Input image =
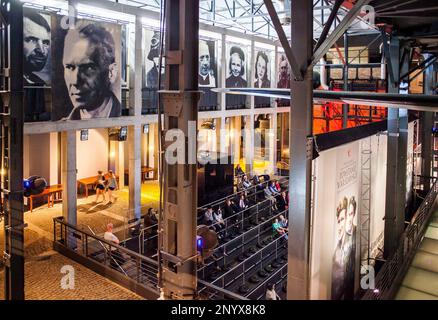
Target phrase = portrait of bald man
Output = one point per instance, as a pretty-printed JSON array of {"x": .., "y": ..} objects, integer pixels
[
  {"x": 206, "y": 77},
  {"x": 90, "y": 66},
  {"x": 36, "y": 48}
]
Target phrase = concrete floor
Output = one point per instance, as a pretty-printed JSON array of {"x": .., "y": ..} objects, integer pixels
[
  {"x": 421, "y": 280},
  {"x": 41, "y": 284}
]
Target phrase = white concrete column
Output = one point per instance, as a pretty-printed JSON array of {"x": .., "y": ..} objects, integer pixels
[
  {"x": 134, "y": 144},
  {"x": 223, "y": 71},
  {"x": 135, "y": 71},
  {"x": 68, "y": 176},
  {"x": 273, "y": 144},
  {"x": 249, "y": 149},
  {"x": 235, "y": 137},
  {"x": 155, "y": 134},
  {"x": 120, "y": 163},
  {"x": 251, "y": 76}
]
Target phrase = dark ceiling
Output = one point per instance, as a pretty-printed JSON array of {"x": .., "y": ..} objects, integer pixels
[{"x": 414, "y": 20}]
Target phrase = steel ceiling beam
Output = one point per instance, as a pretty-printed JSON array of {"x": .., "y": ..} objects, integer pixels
[
  {"x": 339, "y": 31},
  {"x": 297, "y": 72},
  {"x": 329, "y": 23}
]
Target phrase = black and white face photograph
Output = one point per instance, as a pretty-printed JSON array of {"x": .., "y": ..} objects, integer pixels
[
  {"x": 237, "y": 59},
  {"x": 151, "y": 62},
  {"x": 207, "y": 74},
  {"x": 236, "y": 67},
  {"x": 207, "y": 64},
  {"x": 262, "y": 76},
  {"x": 86, "y": 70},
  {"x": 262, "y": 68},
  {"x": 151, "y": 58},
  {"x": 36, "y": 48},
  {"x": 283, "y": 72}
]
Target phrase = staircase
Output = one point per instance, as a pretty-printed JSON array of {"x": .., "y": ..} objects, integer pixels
[{"x": 421, "y": 280}]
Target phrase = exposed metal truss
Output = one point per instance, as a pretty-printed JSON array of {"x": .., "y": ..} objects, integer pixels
[
  {"x": 365, "y": 206},
  {"x": 247, "y": 16}
]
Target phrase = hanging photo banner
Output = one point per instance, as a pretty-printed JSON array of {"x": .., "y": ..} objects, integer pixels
[
  {"x": 86, "y": 70},
  {"x": 283, "y": 77},
  {"x": 151, "y": 63},
  {"x": 262, "y": 76},
  {"x": 345, "y": 215},
  {"x": 237, "y": 61},
  {"x": 36, "y": 48},
  {"x": 207, "y": 74}
]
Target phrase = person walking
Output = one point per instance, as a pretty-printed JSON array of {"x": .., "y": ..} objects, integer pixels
[
  {"x": 100, "y": 186},
  {"x": 112, "y": 186}
]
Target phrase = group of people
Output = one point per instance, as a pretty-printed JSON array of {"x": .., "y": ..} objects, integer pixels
[
  {"x": 104, "y": 185},
  {"x": 216, "y": 218}
]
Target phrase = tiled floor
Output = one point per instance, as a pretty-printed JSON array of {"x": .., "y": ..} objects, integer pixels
[
  {"x": 39, "y": 236},
  {"x": 421, "y": 281}
]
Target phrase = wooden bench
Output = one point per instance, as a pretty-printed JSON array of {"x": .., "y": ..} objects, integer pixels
[
  {"x": 91, "y": 181},
  {"x": 144, "y": 172},
  {"x": 51, "y": 192}
]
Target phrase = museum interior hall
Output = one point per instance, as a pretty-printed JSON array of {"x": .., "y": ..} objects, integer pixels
[{"x": 234, "y": 150}]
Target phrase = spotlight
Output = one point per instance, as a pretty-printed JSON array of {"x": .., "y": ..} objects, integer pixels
[
  {"x": 199, "y": 243},
  {"x": 34, "y": 185}
]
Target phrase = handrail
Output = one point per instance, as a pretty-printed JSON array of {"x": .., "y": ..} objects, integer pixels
[
  {"x": 219, "y": 289},
  {"x": 218, "y": 201},
  {"x": 106, "y": 249},
  {"x": 241, "y": 213},
  {"x": 395, "y": 268},
  {"x": 242, "y": 235},
  {"x": 257, "y": 252},
  {"x": 264, "y": 283},
  {"x": 123, "y": 249}
]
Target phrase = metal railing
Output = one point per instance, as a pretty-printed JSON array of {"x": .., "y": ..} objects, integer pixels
[
  {"x": 250, "y": 193},
  {"x": 244, "y": 218},
  {"x": 129, "y": 264},
  {"x": 389, "y": 278},
  {"x": 208, "y": 291}
]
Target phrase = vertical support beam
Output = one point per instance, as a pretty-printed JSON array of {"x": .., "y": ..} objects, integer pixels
[
  {"x": 249, "y": 143},
  {"x": 396, "y": 159},
  {"x": 154, "y": 130},
  {"x": 235, "y": 139},
  {"x": 120, "y": 163},
  {"x": 345, "y": 106},
  {"x": 135, "y": 102},
  {"x": 13, "y": 157},
  {"x": 272, "y": 149},
  {"x": 223, "y": 76},
  {"x": 300, "y": 153},
  {"x": 134, "y": 150},
  {"x": 180, "y": 101},
  {"x": 134, "y": 132},
  {"x": 69, "y": 176},
  {"x": 427, "y": 122}
]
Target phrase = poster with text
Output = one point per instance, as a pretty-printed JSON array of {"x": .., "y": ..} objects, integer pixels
[
  {"x": 236, "y": 76},
  {"x": 207, "y": 74},
  {"x": 345, "y": 215},
  {"x": 86, "y": 70}
]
